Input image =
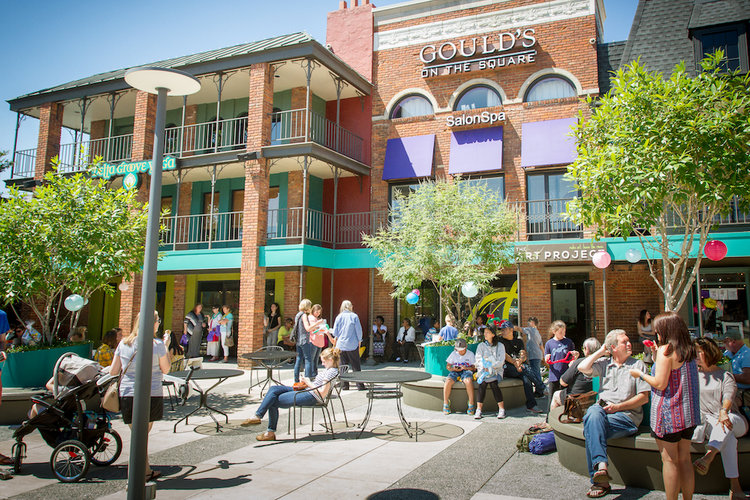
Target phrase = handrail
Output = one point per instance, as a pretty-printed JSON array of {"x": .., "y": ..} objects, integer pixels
[
  {"x": 220, "y": 227},
  {"x": 24, "y": 164},
  {"x": 76, "y": 156},
  {"x": 208, "y": 137}
]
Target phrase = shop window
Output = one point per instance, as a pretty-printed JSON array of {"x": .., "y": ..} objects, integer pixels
[
  {"x": 480, "y": 96},
  {"x": 732, "y": 40},
  {"x": 551, "y": 87},
  {"x": 412, "y": 105}
]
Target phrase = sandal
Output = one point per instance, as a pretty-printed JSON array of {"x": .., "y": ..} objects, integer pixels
[
  {"x": 447, "y": 408},
  {"x": 601, "y": 477},
  {"x": 471, "y": 409},
  {"x": 598, "y": 491},
  {"x": 700, "y": 466},
  {"x": 5, "y": 460}
]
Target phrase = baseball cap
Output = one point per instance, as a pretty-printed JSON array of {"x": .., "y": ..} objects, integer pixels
[
  {"x": 460, "y": 344},
  {"x": 506, "y": 324}
]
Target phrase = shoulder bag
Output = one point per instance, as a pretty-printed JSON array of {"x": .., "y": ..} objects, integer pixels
[
  {"x": 576, "y": 406},
  {"x": 111, "y": 398}
]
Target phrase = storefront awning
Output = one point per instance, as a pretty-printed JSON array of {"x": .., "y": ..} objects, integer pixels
[
  {"x": 548, "y": 143},
  {"x": 476, "y": 150},
  {"x": 409, "y": 157}
]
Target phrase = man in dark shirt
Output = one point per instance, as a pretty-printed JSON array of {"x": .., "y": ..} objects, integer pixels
[{"x": 515, "y": 357}]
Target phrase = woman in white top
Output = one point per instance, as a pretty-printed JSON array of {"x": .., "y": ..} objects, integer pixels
[
  {"x": 489, "y": 360},
  {"x": 124, "y": 362},
  {"x": 405, "y": 340},
  {"x": 721, "y": 421}
]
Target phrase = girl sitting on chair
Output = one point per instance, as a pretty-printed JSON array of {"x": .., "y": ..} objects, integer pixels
[{"x": 282, "y": 396}]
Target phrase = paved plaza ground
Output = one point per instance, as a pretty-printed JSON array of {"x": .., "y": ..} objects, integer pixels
[{"x": 456, "y": 458}]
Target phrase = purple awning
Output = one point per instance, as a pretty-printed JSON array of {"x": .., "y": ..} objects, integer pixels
[
  {"x": 548, "y": 143},
  {"x": 476, "y": 150},
  {"x": 409, "y": 157}
]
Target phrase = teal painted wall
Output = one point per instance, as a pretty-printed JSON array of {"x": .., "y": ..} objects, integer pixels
[
  {"x": 170, "y": 190},
  {"x": 231, "y": 108},
  {"x": 224, "y": 188},
  {"x": 281, "y": 181}
]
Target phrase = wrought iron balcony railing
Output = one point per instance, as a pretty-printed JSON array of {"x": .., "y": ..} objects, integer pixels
[{"x": 76, "y": 156}]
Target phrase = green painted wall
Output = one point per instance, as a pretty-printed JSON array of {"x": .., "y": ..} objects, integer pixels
[
  {"x": 283, "y": 100},
  {"x": 223, "y": 192},
  {"x": 314, "y": 284},
  {"x": 231, "y": 108},
  {"x": 281, "y": 181}
]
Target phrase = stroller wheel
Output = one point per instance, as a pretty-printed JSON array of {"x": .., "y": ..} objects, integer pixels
[
  {"x": 70, "y": 461},
  {"x": 19, "y": 453},
  {"x": 107, "y": 449}
]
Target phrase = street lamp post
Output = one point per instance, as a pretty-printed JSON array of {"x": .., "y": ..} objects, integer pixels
[{"x": 162, "y": 82}]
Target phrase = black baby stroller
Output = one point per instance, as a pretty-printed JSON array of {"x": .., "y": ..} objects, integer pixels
[{"x": 78, "y": 435}]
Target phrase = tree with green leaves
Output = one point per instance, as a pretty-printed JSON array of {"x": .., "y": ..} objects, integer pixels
[
  {"x": 446, "y": 232},
  {"x": 661, "y": 159},
  {"x": 4, "y": 163},
  {"x": 73, "y": 235}
]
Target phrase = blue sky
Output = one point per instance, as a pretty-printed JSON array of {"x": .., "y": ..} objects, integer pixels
[{"x": 71, "y": 40}]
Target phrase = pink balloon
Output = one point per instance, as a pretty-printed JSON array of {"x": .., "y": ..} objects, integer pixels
[
  {"x": 415, "y": 292},
  {"x": 601, "y": 259},
  {"x": 715, "y": 250}
]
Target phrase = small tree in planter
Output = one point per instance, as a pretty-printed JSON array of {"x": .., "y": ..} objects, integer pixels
[
  {"x": 447, "y": 232},
  {"x": 665, "y": 156},
  {"x": 73, "y": 235}
]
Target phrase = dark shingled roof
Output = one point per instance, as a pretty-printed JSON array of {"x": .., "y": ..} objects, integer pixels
[
  {"x": 715, "y": 12},
  {"x": 660, "y": 34},
  {"x": 608, "y": 55}
]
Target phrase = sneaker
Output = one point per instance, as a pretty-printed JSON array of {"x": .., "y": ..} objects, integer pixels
[
  {"x": 501, "y": 413},
  {"x": 534, "y": 410},
  {"x": 478, "y": 414},
  {"x": 471, "y": 410},
  {"x": 398, "y": 359},
  {"x": 250, "y": 421},
  {"x": 447, "y": 408},
  {"x": 406, "y": 361}
]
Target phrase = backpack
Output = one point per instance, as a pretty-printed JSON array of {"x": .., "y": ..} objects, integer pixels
[
  {"x": 542, "y": 443},
  {"x": 293, "y": 336},
  {"x": 528, "y": 435}
]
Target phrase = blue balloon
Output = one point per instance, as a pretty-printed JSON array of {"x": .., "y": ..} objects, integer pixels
[{"x": 412, "y": 298}]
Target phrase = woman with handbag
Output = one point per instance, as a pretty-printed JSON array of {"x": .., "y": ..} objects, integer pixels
[
  {"x": 227, "y": 334},
  {"x": 122, "y": 364},
  {"x": 317, "y": 335},
  {"x": 194, "y": 325},
  {"x": 282, "y": 396},
  {"x": 573, "y": 381},
  {"x": 214, "y": 334}
]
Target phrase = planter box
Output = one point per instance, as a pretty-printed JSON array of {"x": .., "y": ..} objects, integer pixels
[
  {"x": 435, "y": 356},
  {"x": 34, "y": 368}
]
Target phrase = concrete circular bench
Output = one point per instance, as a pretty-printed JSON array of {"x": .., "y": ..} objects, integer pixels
[
  {"x": 635, "y": 460},
  {"x": 428, "y": 395},
  {"x": 16, "y": 404}
]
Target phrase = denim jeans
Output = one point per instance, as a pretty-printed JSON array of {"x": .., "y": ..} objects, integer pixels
[
  {"x": 528, "y": 387},
  {"x": 281, "y": 396},
  {"x": 305, "y": 354},
  {"x": 535, "y": 374},
  {"x": 598, "y": 427}
]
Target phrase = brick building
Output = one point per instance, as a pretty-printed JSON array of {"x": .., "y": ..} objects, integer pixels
[{"x": 292, "y": 149}]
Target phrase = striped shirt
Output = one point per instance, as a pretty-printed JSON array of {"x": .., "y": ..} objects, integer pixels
[
  {"x": 323, "y": 377},
  {"x": 677, "y": 407}
]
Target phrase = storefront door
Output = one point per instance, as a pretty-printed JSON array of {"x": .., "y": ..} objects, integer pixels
[{"x": 573, "y": 303}]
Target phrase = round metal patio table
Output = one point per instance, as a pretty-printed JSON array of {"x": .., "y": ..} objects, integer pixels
[
  {"x": 220, "y": 375},
  {"x": 270, "y": 360},
  {"x": 385, "y": 384}
]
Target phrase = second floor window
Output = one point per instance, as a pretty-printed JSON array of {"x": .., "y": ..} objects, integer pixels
[
  {"x": 551, "y": 87},
  {"x": 412, "y": 105},
  {"x": 480, "y": 96}
]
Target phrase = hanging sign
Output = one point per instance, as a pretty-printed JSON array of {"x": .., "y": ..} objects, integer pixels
[{"x": 108, "y": 170}]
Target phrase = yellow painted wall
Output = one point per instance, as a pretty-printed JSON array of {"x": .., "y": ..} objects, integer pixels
[
  {"x": 314, "y": 284},
  {"x": 168, "y": 299}
]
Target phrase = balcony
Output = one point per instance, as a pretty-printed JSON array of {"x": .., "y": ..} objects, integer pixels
[
  {"x": 289, "y": 127},
  {"x": 74, "y": 157},
  {"x": 206, "y": 138},
  {"x": 546, "y": 220},
  {"x": 24, "y": 164},
  {"x": 184, "y": 232}
]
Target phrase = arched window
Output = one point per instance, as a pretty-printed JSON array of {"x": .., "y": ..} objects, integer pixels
[
  {"x": 479, "y": 96},
  {"x": 551, "y": 87},
  {"x": 412, "y": 105}
]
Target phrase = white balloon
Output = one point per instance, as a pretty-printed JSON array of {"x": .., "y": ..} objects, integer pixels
[
  {"x": 633, "y": 255},
  {"x": 123, "y": 286},
  {"x": 469, "y": 289},
  {"x": 74, "y": 302}
]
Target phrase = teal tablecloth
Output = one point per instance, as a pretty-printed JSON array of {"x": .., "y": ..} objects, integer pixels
[{"x": 435, "y": 356}]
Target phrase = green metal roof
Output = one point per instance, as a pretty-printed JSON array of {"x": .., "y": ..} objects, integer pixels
[{"x": 181, "y": 62}]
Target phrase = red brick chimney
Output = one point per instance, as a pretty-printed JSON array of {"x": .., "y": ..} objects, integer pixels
[{"x": 349, "y": 35}]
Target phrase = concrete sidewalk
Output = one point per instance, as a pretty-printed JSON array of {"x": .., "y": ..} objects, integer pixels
[{"x": 457, "y": 457}]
